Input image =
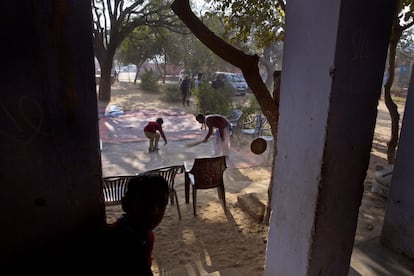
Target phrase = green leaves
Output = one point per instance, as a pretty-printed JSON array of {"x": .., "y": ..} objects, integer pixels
[{"x": 247, "y": 21}]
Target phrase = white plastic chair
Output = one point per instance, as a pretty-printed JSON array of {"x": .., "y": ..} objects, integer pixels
[{"x": 254, "y": 125}]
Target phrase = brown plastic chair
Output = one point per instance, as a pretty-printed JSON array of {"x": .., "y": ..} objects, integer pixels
[
  {"x": 206, "y": 173},
  {"x": 169, "y": 174},
  {"x": 114, "y": 188}
]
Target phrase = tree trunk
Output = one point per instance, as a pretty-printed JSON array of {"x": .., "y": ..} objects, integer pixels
[
  {"x": 137, "y": 73},
  {"x": 390, "y": 104},
  {"x": 164, "y": 74},
  {"x": 395, "y": 118},
  {"x": 277, "y": 75},
  {"x": 138, "y": 66},
  {"x": 105, "y": 82}
]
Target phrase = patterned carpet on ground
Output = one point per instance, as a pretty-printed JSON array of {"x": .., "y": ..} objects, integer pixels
[{"x": 119, "y": 126}]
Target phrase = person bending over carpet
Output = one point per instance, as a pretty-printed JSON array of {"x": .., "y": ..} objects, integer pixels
[
  {"x": 222, "y": 126},
  {"x": 153, "y": 131}
]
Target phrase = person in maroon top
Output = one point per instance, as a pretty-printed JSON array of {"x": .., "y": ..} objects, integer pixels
[
  {"x": 153, "y": 131},
  {"x": 222, "y": 136}
]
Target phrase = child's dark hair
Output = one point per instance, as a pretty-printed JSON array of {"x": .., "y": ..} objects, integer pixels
[
  {"x": 160, "y": 121},
  {"x": 146, "y": 187},
  {"x": 200, "y": 118}
]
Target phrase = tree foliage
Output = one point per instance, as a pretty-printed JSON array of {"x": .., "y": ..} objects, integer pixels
[
  {"x": 195, "y": 56},
  {"x": 114, "y": 20},
  {"x": 252, "y": 20},
  {"x": 255, "y": 27},
  {"x": 149, "y": 80},
  {"x": 180, "y": 47},
  {"x": 210, "y": 100},
  {"x": 142, "y": 44}
]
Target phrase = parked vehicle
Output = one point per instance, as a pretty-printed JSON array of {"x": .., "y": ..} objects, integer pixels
[
  {"x": 234, "y": 81},
  {"x": 243, "y": 79},
  {"x": 241, "y": 76}
]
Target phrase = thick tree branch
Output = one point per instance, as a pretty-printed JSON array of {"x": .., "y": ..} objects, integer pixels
[
  {"x": 282, "y": 4},
  {"x": 248, "y": 64}
]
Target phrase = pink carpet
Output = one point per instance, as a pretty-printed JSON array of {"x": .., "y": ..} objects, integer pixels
[{"x": 129, "y": 127}]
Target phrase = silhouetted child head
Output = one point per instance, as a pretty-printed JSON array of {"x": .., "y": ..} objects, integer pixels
[
  {"x": 145, "y": 201},
  {"x": 160, "y": 121},
  {"x": 200, "y": 118}
]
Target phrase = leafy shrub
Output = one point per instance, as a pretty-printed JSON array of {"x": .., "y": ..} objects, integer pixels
[
  {"x": 149, "y": 80},
  {"x": 172, "y": 93},
  {"x": 249, "y": 107},
  {"x": 210, "y": 100}
]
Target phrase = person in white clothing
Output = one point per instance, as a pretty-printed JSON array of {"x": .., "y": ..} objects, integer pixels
[{"x": 222, "y": 126}]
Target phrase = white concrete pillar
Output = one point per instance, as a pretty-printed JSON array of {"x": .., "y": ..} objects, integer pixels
[
  {"x": 335, "y": 52},
  {"x": 398, "y": 229}
]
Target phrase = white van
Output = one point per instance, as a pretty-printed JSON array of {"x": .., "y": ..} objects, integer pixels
[{"x": 238, "y": 84}]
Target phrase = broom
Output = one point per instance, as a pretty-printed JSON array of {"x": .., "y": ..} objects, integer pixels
[{"x": 192, "y": 144}]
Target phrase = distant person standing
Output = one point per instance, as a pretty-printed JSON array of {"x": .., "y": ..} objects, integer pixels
[
  {"x": 185, "y": 90},
  {"x": 197, "y": 81},
  {"x": 218, "y": 82},
  {"x": 222, "y": 135},
  {"x": 153, "y": 131}
]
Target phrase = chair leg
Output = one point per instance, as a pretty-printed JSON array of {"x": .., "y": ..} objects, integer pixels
[
  {"x": 220, "y": 193},
  {"x": 222, "y": 196},
  {"x": 187, "y": 187},
  {"x": 172, "y": 194},
  {"x": 194, "y": 200},
  {"x": 178, "y": 206}
]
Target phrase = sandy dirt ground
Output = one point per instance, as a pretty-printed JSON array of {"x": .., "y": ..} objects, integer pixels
[{"x": 215, "y": 241}]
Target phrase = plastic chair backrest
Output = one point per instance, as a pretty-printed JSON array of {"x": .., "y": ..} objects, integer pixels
[
  {"x": 235, "y": 116},
  {"x": 260, "y": 122},
  {"x": 208, "y": 172},
  {"x": 168, "y": 173},
  {"x": 114, "y": 188}
]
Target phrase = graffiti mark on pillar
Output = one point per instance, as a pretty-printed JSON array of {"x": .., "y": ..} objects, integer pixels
[{"x": 26, "y": 123}]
